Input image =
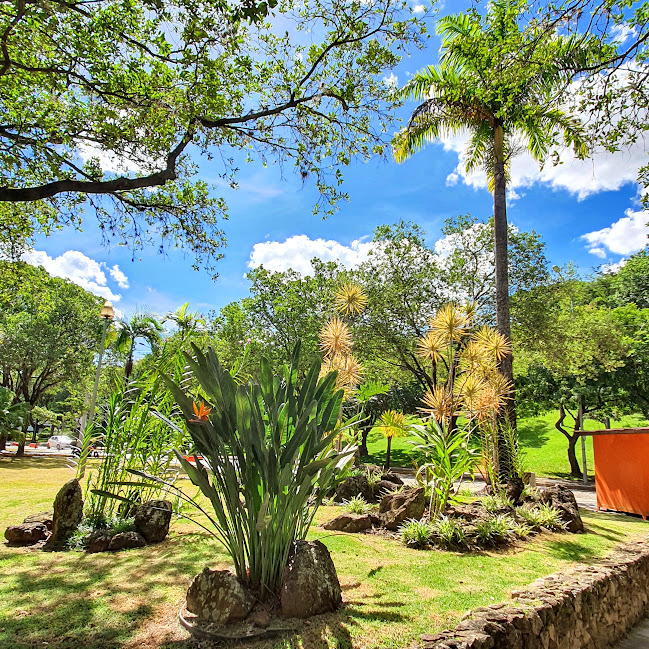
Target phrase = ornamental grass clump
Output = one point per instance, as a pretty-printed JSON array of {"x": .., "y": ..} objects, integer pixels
[
  {"x": 541, "y": 517},
  {"x": 268, "y": 458},
  {"x": 356, "y": 505},
  {"x": 416, "y": 534}
]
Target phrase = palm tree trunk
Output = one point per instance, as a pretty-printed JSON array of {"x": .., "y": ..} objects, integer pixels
[
  {"x": 502, "y": 281},
  {"x": 386, "y": 468}
]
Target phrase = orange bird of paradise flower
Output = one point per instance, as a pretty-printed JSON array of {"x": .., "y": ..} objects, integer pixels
[{"x": 202, "y": 412}]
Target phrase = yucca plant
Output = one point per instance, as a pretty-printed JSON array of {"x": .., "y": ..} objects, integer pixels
[
  {"x": 448, "y": 458},
  {"x": 268, "y": 458}
]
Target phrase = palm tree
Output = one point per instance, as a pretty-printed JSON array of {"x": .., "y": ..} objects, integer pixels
[
  {"x": 503, "y": 85},
  {"x": 142, "y": 325},
  {"x": 186, "y": 322}
]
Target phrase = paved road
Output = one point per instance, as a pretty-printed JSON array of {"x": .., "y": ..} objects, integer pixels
[{"x": 638, "y": 638}]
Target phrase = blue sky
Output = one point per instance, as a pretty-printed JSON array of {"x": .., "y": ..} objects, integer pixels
[{"x": 597, "y": 199}]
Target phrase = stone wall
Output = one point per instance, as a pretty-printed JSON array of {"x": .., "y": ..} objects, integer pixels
[{"x": 588, "y": 607}]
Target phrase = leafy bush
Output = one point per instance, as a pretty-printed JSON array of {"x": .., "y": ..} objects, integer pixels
[
  {"x": 541, "y": 516},
  {"x": 495, "y": 530},
  {"x": 495, "y": 503},
  {"x": 450, "y": 533},
  {"x": 270, "y": 442},
  {"x": 448, "y": 457},
  {"x": 416, "y": 534},
  {"x": 136, "y": 436},
  {"x": 357, "y": 505}
]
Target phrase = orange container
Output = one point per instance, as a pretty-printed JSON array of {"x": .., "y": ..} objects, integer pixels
[{"x": 622, "y": 469}]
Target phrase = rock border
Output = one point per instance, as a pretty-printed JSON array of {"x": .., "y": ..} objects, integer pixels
[{"x": 587, "y": 607}]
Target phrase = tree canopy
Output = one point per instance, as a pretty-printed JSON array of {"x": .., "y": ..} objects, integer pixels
[{"x": 107, "y": 104}]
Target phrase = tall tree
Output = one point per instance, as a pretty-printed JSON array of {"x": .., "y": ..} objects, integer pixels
[
  {"x": 499, "y": 79},
  {"x": 105, "y": 103},
  {"x": 49, "y": 329},
  {"x": 141, "y": 325}
]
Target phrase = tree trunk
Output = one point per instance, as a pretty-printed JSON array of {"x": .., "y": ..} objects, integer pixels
[
  {"x": 21, "y": 449},
  {"x": 3, "y": 442},
  {"x": 387, "y": 456},
  {"x": 362, "y": 449},
  {"x": 502, "y": 286},
  {"x": 575, "y": 470}
]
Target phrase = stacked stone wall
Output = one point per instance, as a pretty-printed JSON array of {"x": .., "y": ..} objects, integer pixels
[{"x": 588, "y": 607}]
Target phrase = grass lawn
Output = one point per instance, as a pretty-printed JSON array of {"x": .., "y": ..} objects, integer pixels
[
  {"x": 131, "y": 599},
  {"x": 545, "y": 448}
]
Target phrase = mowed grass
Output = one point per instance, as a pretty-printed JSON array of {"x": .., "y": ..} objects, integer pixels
[
  {"x": 544, "y": 447},
  {"x": 131, "y": 599}
]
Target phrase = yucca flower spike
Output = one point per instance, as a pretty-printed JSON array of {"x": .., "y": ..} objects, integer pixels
[
  {"x": 335, "y": 337},
  {"x": 431, "y": 346},
  {"x": 450, "y": 322},
  {"x": 493, "y": 342},
  {"x": 350, "y": 299}
]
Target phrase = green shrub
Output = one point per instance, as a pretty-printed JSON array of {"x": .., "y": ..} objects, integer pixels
[
  {"x": 541, "y": 516},
  {"x": 416, "y": 534},
  {"x": 357, "y": 505},
  {"x": 494, "y": 531},
  {"x": 521, "y": 530},
  {"x": 495, "y": 503},
  {"x": 450, "y": 533}
]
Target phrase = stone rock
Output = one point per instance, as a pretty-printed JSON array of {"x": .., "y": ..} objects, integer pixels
[
  {"x": 355, "y": 485},
  {"x": 383, "y": 487},
  {"x": 514, "y": 489},
  {"x": 350, "y": 523},
  {"x": 310, "y": 585},
  {"x": 68, "y": 512},
  {"x": 152, "y": 520},
  {"x": 42, "y": 517},
  {"x": 261, "y": 619},
  {"x": 391, "y": 477},
  {"x": 26, "y": 534},
  {"x": 404, "y": 505},
  {"x": 563, "y": 499},
  {"x": 466, "y": 512},
  {"x": 216, "y": 596},
  {"x": 126, "y": 541},
  {"x": 97, "y": 541}
]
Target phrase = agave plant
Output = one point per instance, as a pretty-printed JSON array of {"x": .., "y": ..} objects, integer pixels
[{"x": 268, "y": 458}]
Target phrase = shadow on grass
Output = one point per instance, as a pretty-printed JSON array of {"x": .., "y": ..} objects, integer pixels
[
  {"x": 398, "y": 457},
  {"x": 533, "y": 434},
  {"x": 571, "y": 551},
  {"x": 69, "y": 600},
  {"x": 22, "y": 463}
]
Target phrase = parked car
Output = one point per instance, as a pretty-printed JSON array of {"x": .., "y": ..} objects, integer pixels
[{"x": 59, "y": 442}]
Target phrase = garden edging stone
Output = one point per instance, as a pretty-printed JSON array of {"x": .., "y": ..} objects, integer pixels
[{"x": 588, "y": 607}]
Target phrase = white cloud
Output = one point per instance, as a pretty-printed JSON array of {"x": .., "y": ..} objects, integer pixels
[
  {"x": 391, "y": 80},
  {"x": 622, "y": 33},
  {"x": 298, "y": 251},
  {"x": 624, "y": 237},
  {"x": 419, "y": 9},
  {"x": 78, "y": 268},
  {"x": 602, "y": 171},
  {"x": 452, "y": 179},
  {"x": 118, "y": 276},
  {"x": 109, "y": 161},
  {"x": 613, "y": 268}
]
